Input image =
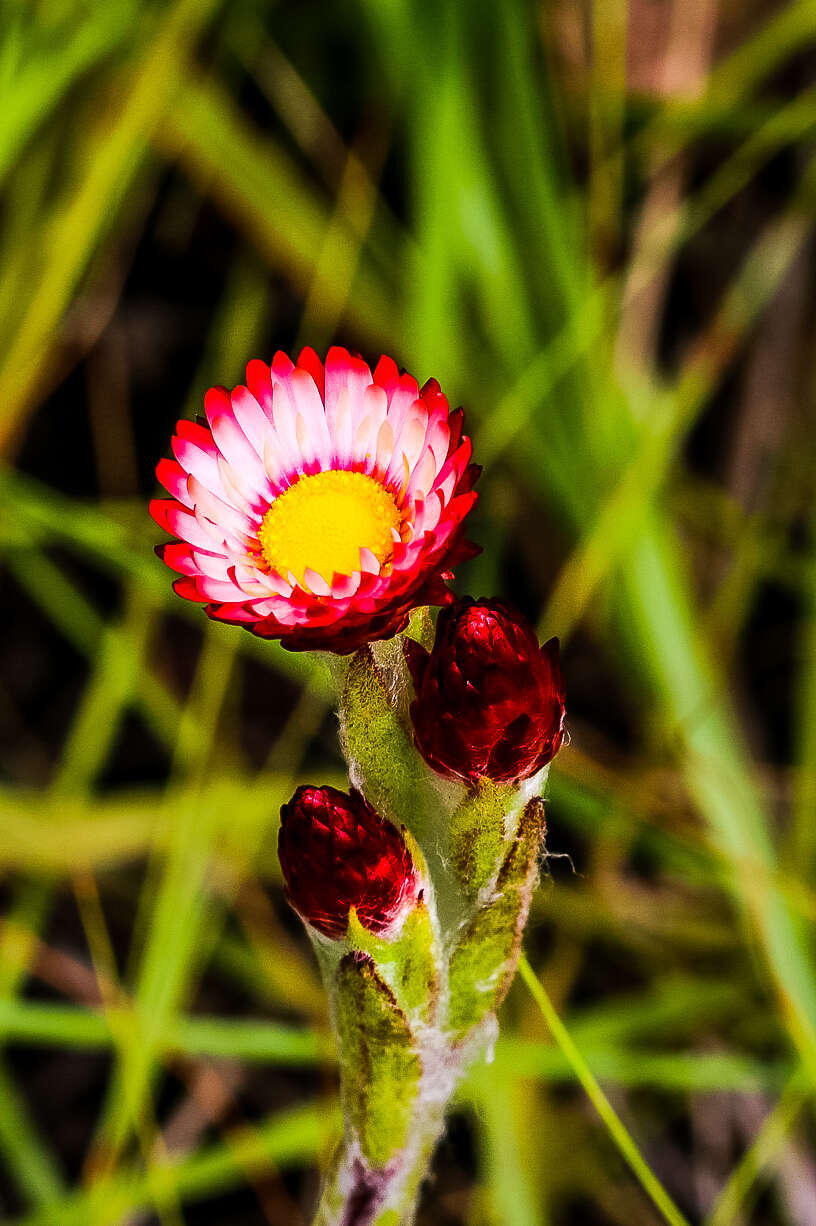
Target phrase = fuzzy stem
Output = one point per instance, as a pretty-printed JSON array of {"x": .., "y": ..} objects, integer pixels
[
  {"x": 413, "y": 1009},
  {"x": 360, "y": 1189},
  {"x": 357, "y": 1195}
]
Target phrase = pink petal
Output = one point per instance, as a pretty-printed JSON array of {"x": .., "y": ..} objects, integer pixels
[
  {"x": 397, "y": 478},
  {"x": 274, "y": 463},
  {"x": 178, "y": 555},
  {"x": 386, "y": 372},
  {"x": 310, "y": 426},
  {"x": 282, "y": 365},
  {"x": 283, "y": 417},
  {"x": 281, "y": 455},
  {"x": 238, "y": 451},
  {"x": 270, "y": 581},
  {"x": 280, "y": 452},
  {"x": 218, "y": 589},
  {"x": 250, "y": 417},
  {"x": 315, "y": 582},
  {"x": 456, "y": 421},
  {"x": 196, "y": 433},
  {"x": 369, "y": 562},
  {"x": 283, "y": 611},
  {"x": 259, "y": 382},
  {"x": 174, "y": 479},
  {"x": 212, "y": 534},
  {"x": 437, "y": 438},
  {"x": 250, "y": 580},
  {"x": 431, "y": 511},
  {"x": 345, "y": 371},
  {"x": 176, "y": 520},
  {"x": 216, "y": 401},
  {"x": 458, "y": 507},
  {"x": 238, "y": 491},
  {"x": 188, "y": 588},
  {"x": 202, "y": 464},
  {"x": 445, "y": 482},
  {"x": 343, "y": 441},
  {"x": 385, "y": 448},
  {"x": 434, "y": 397},
  {"x": 423, "y": 475},
  {"x": 451, "y": 472},
  {"x": 214, "y": 566},
  {"x": 227, "y": 517},
  {"x": 411, "y": 438},
  {"x": 401, "y": 401},
  {"x": 309, "y": 361},
  {"x": 344, "y": 586},
  {"x": 270, "y": 607},
  {"x": 367, "y": 430},
  {"x": 230, "y": 611}
]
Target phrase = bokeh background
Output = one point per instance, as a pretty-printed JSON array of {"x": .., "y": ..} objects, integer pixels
[{"x": 592, "y": 221}]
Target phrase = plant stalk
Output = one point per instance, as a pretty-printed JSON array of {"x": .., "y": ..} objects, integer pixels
[{"x": 356, "y": 1194}]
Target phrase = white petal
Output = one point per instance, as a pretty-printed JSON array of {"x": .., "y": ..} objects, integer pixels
[
  {"x": 385, "y": 447},
  {"x": 310, "y": 423},
  {"x": 411, "y": 438},
  {"x": 314, "y": 582},
  {"x": 343, "y": 439},
  {"x": 423, "y": 475},
  {"x": 369, "y": 562},
  {"x": 236, "y": 448},
  {"x": 227, "y": 517},
  {"x": 250, "y": 417}
]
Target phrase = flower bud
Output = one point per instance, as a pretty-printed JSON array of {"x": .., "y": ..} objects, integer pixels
[
  {"x": 336, "y": 852},
  {"x": 489, "y": 701}
]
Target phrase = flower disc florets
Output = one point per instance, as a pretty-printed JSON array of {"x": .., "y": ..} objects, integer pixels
[
  {"x": 336, "y": 853},
  {"x": 318, "y": 505},
  {"x": 489, "y": 701}
]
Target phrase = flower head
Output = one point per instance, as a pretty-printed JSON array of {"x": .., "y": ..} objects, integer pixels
[
  {"x": 489, "y": 701},
  {"x": 336, "y": 853},
  {"x": 318, "y": 505}
]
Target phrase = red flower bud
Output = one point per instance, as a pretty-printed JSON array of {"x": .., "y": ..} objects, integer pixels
[
  {"x": 489, "y": 701},
  {"x": 336, "y": 852}
]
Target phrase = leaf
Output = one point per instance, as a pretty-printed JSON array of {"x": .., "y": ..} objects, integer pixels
[
  {"x": 380, "y": 1065},
  {"x": 407, "y": 964},
  {"x": 483, "y": 963}
]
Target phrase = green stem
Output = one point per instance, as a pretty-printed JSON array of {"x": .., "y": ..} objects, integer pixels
[{"x": 357, "y": 1195}]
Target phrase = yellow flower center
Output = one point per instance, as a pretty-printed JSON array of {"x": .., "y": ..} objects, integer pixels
[{"x": 323, "y": 522}]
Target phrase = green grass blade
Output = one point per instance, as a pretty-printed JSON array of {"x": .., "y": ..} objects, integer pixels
[
  {"x": 290, "y": 1139},
  {"x": 76, "y": 227},
  {"x": 27, "y": 1158},
  {"x": 614, "y": 1125}
]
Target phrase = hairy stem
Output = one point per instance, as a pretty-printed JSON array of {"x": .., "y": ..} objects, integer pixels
[{"x": 355, "y": 1194}]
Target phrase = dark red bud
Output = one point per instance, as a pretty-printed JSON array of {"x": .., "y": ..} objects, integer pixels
[
  {"x": 489, "y": 701},
  {"x": 336, "y": 852}
]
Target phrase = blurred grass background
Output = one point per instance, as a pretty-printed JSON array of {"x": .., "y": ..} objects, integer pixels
[{"x": 592, "y": 221}]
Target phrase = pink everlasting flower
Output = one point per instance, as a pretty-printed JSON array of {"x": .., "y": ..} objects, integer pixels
[{"x": 318, "y": 505}]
